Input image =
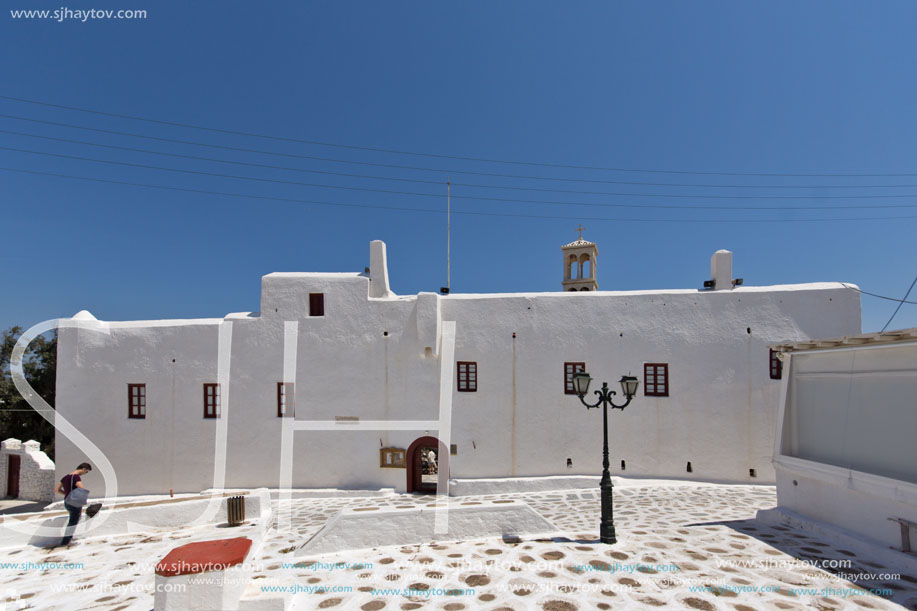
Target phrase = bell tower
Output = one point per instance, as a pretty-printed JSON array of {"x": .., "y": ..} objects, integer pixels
[{"x": 579, "y": 264}]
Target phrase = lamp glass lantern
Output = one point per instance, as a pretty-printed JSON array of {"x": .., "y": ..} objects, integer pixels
[
  {"x": 581, "y": 382},
  {"x": 629, "y": 386}
]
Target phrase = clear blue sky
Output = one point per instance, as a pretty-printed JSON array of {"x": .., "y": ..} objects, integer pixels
[{"x": 722, "y": 87}]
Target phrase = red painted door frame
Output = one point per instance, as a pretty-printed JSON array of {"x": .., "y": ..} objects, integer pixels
[{"x": 412, "y": 461}]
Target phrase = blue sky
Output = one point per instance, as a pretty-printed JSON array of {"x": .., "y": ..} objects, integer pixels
[{"x": 735, "y": 95}]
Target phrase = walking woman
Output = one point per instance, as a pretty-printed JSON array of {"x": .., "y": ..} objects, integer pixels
[{"x": 66, "y": 486}]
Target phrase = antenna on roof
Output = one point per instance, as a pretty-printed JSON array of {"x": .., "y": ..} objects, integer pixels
[{"x": 445, "y": 289}]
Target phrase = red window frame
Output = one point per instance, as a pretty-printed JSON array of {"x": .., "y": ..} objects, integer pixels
[
  {"x": 136, "y": 401},
  {"x": 775, "y": 366},
  {"x": 282, "y": 398},
  {"x": 656, "y": 379},
  {"x": 316, "y": 304},
  {"x": 212, "y": 400},
  {"x": 467, "y": 376},
  {"x": 570, "y": 368}
]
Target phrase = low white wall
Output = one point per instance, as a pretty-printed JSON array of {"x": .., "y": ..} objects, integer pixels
[
  {"x": 858, "y": 502},
  {"x": 845, "y": 452},
  {"x": 354, "y": 529},
  {"x": 114, "y": 521},
  {"x": 204, "y": 591},
  {"x": 36, "y": 470},
  {"x": 324, "y": 493},
  {"x": 469, "y": 487},
  {"x": 854, "y": 408},
  {"x": 201, "y": 591},
  {"x": 890, "y": 559}
]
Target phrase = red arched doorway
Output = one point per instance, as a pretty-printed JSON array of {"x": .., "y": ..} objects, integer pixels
[{"x": 422, "y": 471}]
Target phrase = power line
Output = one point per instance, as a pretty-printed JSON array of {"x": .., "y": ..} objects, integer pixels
[
  {"x": 430, "y": 155},
  {"x": 296, "y": 140},
  {"x": 444, "y": 171},
  {"x": 901, "y": 303},
  {"x": 244, "y": 163},
  {"x": 496, "y": 199},
  {"x": 440, "y": 211},
  {"x": 853, "y": 288},
  {"x": 447, "y": 171},
  {"x": 438, "y": 183},
  {"x": 291, "y": 155}
]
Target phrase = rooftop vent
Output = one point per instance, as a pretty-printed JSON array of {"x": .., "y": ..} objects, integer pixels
[{"x": 721, "y": 270}]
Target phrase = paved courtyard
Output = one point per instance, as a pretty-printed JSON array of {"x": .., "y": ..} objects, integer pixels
[{"x": 680, "y": 546}]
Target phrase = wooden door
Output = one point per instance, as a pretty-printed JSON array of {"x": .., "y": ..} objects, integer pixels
[{"x": 12, "y": 478}]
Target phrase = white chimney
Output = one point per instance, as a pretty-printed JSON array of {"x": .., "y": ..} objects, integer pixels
[
  {"x": 378, "y": 270},
  {"x": 721, "y": 269}
]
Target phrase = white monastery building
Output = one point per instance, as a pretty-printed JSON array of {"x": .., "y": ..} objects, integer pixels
[{"x": 339, "y": 382}]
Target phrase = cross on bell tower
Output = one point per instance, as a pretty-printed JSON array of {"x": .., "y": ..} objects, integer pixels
[{"x": 579, "y": 264}]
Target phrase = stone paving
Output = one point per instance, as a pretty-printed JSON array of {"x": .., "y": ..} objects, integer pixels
[
  {"x": 109, "y": 572},
  {"x": 690, "y": 546},
  {"x": 684, "y": 546}
]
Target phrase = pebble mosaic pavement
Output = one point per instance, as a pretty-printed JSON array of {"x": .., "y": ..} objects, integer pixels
[{"x": 670, "y": 539}]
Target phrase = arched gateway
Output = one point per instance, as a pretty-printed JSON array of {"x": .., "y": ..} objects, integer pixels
[{"x": 424, "y": 459}]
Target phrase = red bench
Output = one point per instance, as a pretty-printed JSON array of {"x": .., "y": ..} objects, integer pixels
[
  {"x": 179, "y": 587},
  {"x": 204, "y": 556}
]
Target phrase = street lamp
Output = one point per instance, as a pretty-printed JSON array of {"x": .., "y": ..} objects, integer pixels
[{"x": 629, "y": 385}]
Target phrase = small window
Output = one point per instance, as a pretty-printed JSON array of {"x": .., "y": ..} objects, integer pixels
[
  {"x": 316, "y": 304},
  {"x": 136, "y": 400},
  {"x": 211, "y": 400},
  {"x": 569, "y": 370},
  {"x": 467, "y": 376},
  {"x": 285, "y": 404},
  {"x": 776, "y": 366},
  {"x": 656, "y": 379}
]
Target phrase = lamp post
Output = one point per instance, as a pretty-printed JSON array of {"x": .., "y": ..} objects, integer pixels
[{"x": 629, "y": 385}]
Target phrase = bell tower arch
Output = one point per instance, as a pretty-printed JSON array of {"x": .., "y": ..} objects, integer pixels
[{"x": 579, "y": 264}]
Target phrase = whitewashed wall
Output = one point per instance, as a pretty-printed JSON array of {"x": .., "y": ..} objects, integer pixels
[
  {"x": 36, "y": 470},
  {"x": 720, "y": 415},
  {"x": 846, "y": 453}
]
